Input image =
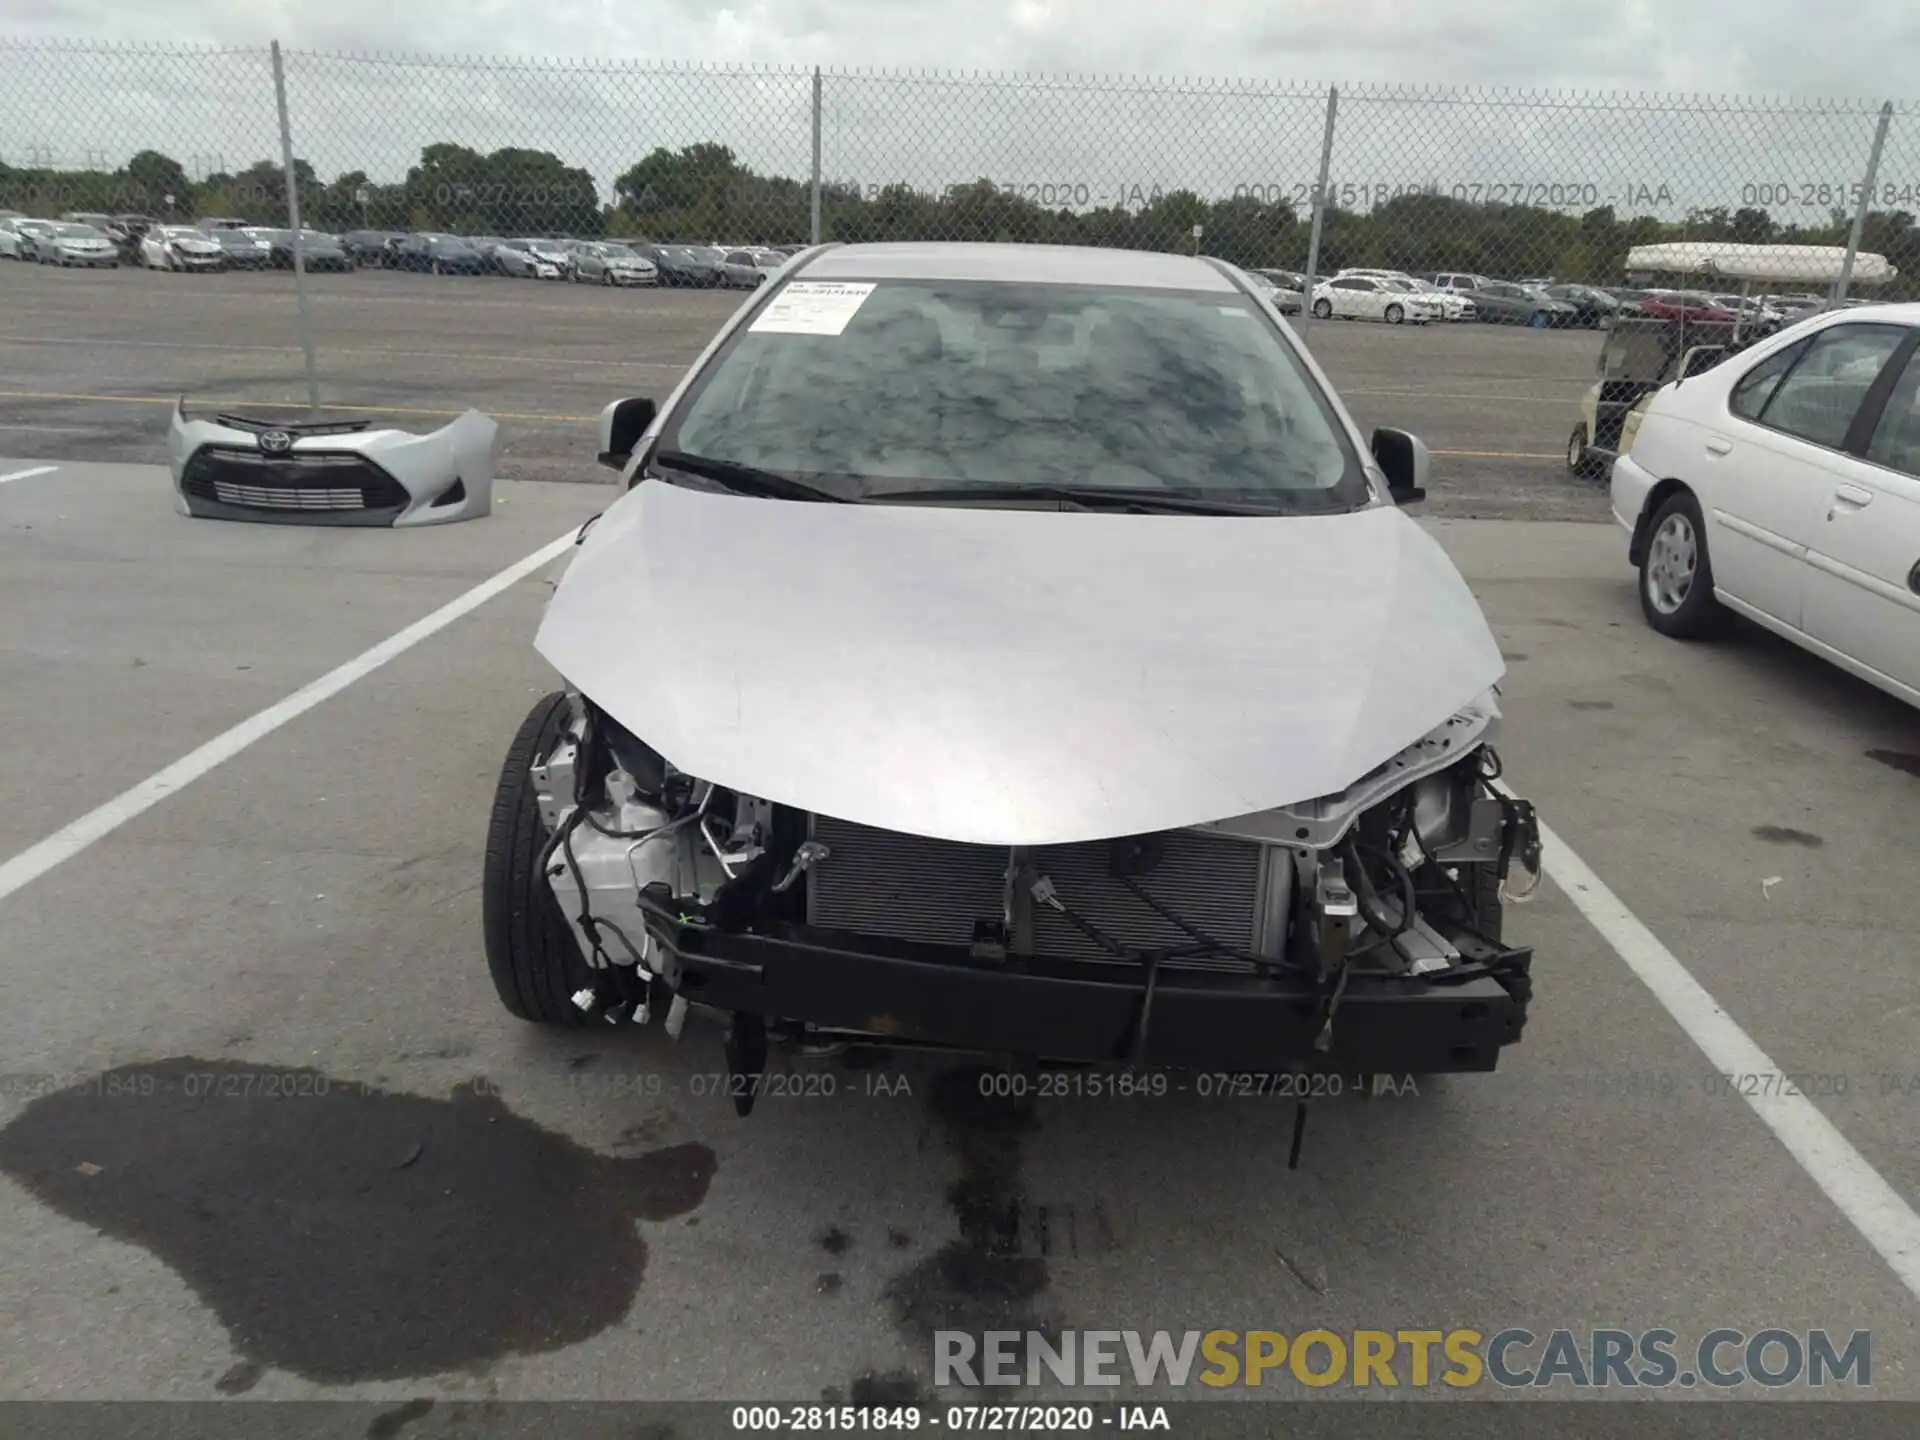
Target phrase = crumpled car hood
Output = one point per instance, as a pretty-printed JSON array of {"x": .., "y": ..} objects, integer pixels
[{"x": 1015, "y": 677}]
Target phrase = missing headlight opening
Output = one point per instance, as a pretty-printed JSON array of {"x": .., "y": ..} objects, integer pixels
[{"x": 1041, "y": 744}]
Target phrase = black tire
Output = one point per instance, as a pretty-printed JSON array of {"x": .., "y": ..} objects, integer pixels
[
  {"x": 535, "y": 962},
  {"x": 1685, "y": 612},
  {"x": 1579, "y": 458},
  {"x": 1323, "y": 309},
  {"x": 1396, "y": 314},
  {"x": 1484, "y": 889}
]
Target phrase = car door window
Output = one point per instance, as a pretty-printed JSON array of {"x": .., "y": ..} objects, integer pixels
[
  {"x": 1756, "y": 387},
  {"x": 1896, "y": 436},
  {"x": 1818, "y": 398}
]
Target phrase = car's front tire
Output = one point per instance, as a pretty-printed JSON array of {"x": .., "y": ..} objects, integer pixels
[
  {"x": 531, "y": 952},
  {"x": 1395, "y": 314},
  {"x": 1676, "y": 577},
  {"x": 1322, "y": 309}
]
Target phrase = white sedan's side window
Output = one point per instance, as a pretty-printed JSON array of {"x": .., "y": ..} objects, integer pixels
[
  {"x": 1756, "y": 387},
  {"x": 1820, "y": 396},
  {"x": 1896, "y": 437}
]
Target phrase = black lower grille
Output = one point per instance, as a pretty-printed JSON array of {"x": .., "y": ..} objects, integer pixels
[
  {"x": 308, "y": 481},
  {"x": 907, "y": 887}
]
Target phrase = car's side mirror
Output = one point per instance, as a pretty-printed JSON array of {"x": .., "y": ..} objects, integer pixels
[
  {"x": 1403, "y": 460},
  {"x": 621, "y": 425}
]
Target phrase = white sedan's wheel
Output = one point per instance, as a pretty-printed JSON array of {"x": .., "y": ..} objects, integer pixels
[{"x": 1395, "y": 314}]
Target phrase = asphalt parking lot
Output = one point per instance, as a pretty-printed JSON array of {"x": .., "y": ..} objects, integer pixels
[
  {"x": 317, "y": 1159},
  {"x": 91, "y": 359}
]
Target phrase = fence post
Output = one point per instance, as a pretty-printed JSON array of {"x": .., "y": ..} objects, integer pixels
[
  {"x": 1866, "y": 199},
  {"x": 815, "y": 233},
  {"x": 1319, "y": 211},
  {"x": 293, "y": 219}
]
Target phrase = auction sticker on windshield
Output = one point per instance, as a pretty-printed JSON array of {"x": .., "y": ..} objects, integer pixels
[{"x": 813, "y": 307}]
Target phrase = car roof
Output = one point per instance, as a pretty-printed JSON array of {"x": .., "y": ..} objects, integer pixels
[{"x": 1030, "y": 264}]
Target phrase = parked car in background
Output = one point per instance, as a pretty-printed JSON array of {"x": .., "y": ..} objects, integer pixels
[
  {"x": 605, "y": 263},
  {"x": 1288, "y": 289},
  {"x": 18, "y": 235},
  {"x": 319, "y": 251},
  {"x": 1501, "y": 302},
  {"x": 410, "y": 252},
  {"x": 1368, "y": 297},
  {"x": 181, "y": 247},
  {"x": 127, "y": 231},
  {"x": 686, "y": 265},
  {"x": 744, "y": 269},
  {"x": 1459, "y": 281},
  {"x": 518, "y": 259},
  {"x": 550, "y": 255},
  {"x": 367, "y": 247},
  {"x": 66, "y": 245},
  {"x": 243, "y": 251},
  {"x": 221, "y": 222},
  {"x": 1756, "y": 316},
  {"x": 1784, "y": 485},
  {"x": 1594, "y": 308},
  {"x": 1454, "y": 306},
  {"x": 1688, "y": 305},
  {"x": 454, "y": 255},
  {"x": 1629, "y": 299}
]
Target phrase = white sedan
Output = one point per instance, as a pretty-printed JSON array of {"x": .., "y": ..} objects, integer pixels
[
  {"x": 1453, "y": 305},
  {"x": 1368, "y": 297},
  {"x": 1783, "y": 485},
  {"x": 180, "y": 247}
]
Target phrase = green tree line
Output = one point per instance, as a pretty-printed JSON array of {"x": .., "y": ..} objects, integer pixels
[{"x": 701, "y": 193}]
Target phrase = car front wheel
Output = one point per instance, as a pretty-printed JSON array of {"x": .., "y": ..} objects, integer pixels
[
  {"x": 1395, "y": 314},
  {"x": 1676, "y": 578},
  {"x": 531, "y": 953},
  {"x": 1322, "y": 309}
]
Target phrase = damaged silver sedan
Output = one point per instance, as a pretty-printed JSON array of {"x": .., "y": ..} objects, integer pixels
[{"x": 1016, "y": 650}]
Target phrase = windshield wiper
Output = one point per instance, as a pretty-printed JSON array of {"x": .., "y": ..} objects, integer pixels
[
  {"x": 1083, "y": 497},
  {"x": 746, "y": 479}
]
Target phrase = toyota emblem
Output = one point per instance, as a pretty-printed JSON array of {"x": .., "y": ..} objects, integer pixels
[{"x": 275, "y": 442}]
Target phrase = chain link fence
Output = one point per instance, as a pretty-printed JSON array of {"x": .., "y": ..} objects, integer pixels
[{"x": 1288, "y": 176}]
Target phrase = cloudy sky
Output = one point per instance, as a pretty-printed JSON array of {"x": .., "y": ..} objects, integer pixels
[
  {"x": 1797, "y": 47},
  {"x": 589, "y": 84}
]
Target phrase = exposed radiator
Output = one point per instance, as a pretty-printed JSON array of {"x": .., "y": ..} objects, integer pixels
[{"x": 907, "y": 887}]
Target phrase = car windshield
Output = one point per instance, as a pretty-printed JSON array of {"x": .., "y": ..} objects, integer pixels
[
  {"x": 942, "y": 384},
  {"x": 78, "y": 232},
  {"x": 546, "y": 249},
  {"x": 618, "y": 252}
]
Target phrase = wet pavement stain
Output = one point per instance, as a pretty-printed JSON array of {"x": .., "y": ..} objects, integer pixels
[
  {"x": 835, "y": 1241},
  {"x": 1590, "y": 704},
  {"x": 829, "y": 1283},
  {"x": 898, "y": 1239},
  {"x": 982, "y": 1280},
  {"x": 1903, "y": 761},
  {"x": 1787, "y": 835},
  {"x": 389, "y": 1423},
  {"x": 239, "y": 1378},
  {"x": 276, "y": 1195}
]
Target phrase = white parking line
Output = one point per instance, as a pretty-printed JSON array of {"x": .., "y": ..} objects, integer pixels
[
  {"x": 30, "y": 864},
  {"x": 28, "y": 474},
  {"x": 1876, "y": 1209}
]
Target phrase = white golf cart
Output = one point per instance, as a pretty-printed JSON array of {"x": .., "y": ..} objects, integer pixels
[{"x": 1641, "y": 355}]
